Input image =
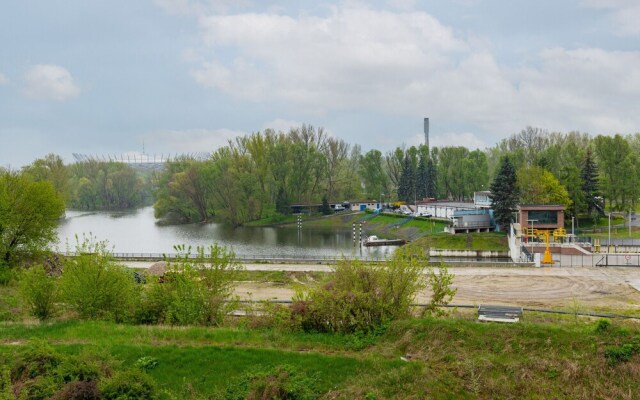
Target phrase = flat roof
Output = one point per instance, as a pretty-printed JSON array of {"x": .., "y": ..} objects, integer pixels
[
  {"x": 535, "y": 207},
  {"x": 458, "y": 204}
]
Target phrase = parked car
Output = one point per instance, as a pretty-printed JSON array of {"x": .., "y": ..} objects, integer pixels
[{"x": 338, "y": 208}]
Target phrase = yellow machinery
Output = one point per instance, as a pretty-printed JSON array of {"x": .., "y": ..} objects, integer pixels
[
  {"x": 559, "y": 234},
  {"x": 547, "y": 259},
  {"x": 530, "y": 233},
  {"x": 596, "y": 245}
]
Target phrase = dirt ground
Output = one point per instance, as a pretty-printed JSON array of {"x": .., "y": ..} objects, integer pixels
[{"x": 585, "y": 288}]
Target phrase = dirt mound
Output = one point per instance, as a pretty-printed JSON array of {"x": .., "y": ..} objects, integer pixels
[{"x": 158, "y": 268}]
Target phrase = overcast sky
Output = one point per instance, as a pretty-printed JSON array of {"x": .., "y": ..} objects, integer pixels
[{"x": 102, "y": 77}]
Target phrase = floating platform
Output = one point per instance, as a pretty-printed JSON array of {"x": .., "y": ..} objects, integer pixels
[{"x": 375, "y": 241}]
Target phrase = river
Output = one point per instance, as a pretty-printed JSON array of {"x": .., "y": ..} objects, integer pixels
[{"x": 137, "y": 232}]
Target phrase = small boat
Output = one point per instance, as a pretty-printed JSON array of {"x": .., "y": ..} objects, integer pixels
[{"x": 376, "y": 241}]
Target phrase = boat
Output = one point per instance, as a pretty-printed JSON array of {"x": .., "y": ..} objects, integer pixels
[{"x": 376, "y": 241}]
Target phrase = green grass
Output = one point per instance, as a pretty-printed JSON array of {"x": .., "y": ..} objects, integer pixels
[
  {"x": 479, "y": 241},
  {"x": 446, "y": 358}
]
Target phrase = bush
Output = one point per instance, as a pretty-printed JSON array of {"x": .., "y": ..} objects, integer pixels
[
  {"x": 38, "y": 290},
  {"x": 79, "y": 390},
  {"x": 6, "y": 274},
  {"x": 602, "y": 325},
  {"x": 362, "y": 296},
  {"x": 6, "y": 392},
  {"x": 37, "y": 359},
  {"x": 618, "y": 354},
  {"x": 95, "y": 286},
  {"x": 195, "y": 290},
  {"x": 129, "y": 385},
  {"x": 146, "y": 363},
  {"x": 282, "y": 382},
  {"x": 441, "y": 291}
]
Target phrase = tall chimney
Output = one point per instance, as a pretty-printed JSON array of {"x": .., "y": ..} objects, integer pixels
[{"x": 426, "y": 132}]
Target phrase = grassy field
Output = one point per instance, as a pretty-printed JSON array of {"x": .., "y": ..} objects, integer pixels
[
  {"x": 413, "y": 359},
  {"x": 479, "y": 241}
]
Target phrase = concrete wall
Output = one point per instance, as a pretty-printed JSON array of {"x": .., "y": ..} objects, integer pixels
[{"x": 468, "y": 253}]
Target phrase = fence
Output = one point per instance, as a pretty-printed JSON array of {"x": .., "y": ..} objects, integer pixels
[
  {"x": 452, "y": 261},
  {"x": 596, "y": 260}
]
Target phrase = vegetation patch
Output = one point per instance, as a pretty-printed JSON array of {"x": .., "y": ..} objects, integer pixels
[{"x": 471, "y": 241}]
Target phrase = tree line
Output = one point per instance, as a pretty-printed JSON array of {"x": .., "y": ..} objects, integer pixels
[
  {"x": 261, "y": 175},
  {"x": 94, "y": 185}
]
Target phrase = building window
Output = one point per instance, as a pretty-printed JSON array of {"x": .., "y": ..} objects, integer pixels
[{"x": 543, "y": 217}]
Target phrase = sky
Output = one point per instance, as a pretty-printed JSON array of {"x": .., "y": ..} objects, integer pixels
[{"x": 183, "y": 76}]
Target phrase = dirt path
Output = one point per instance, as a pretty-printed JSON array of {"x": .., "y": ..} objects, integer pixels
[
  {"x": 556, "y": 287},
  {"x": 534, "y": 287}
]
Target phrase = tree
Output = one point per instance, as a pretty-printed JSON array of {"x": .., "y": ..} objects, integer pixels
[
  {"x": 539, "y": 186},
  {"x": 50, "y": 168},
  {"x": 422, "y": 179},
  {"x": 618, "y": 175},
  {"x": 29, "y": 212},
  {"x": 325, "y": 209},
  {"x": 373, "y": 174},
  {"x": 590, "y": 190},
  {"x": 407, "y": 185},
  {"x": 432, "y": 179},
  {"x": 504, "y": 194}
]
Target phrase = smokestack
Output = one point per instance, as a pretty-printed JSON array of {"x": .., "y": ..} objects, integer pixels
[{"x": 426, "y": 132}]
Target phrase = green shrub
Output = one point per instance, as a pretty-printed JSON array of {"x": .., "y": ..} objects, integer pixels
[
  {"x": 281, "y": 382},
  {"x": 196, "y": 289},
  {"x": 602, "y": 325},
  {"x": 6, "y": 391},
  {"x": 6, "y": 274},
  {"x": 38, "y": 290},
  {"x": 441, "y": 291},
  {"x": 362, "y": 296},
  {"x": 146, "y": 363},
  {"x": 37, "y": 359},
  {"x": 618, "y": 354},
  {"x": 129, "y": 385},
  {"x": 96, "y": 287},
  {"x": 79, "y": 390}
]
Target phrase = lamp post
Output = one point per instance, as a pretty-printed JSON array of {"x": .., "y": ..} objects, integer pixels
[
  {"x": 532, "y": 221},
  {"x": 381, "y": 196},
  {"x": 572, "y": 233},
  {"x": 609, "y": 243}
]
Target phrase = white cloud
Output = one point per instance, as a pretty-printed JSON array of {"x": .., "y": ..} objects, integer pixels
[
  {"x": 624, "y": 14},
  {"x": 190, "y": 141},
  {"x": 582, "y": 88},
  {"x": 408, "y": 63},
  {"x": 3, "y": 79},
  {"x": 354, "y": 57},
  {"x": 50, "y": 82}
]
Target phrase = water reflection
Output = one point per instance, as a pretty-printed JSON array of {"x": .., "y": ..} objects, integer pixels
[{"x": 137, "y": 232}]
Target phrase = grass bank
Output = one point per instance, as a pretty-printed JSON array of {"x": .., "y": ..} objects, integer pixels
[
  {"x": 473, "y": 241},
  {"x": 411, "y": 359}
]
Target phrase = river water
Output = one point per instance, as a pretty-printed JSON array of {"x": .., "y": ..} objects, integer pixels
[{"x": 137, "y": 232}]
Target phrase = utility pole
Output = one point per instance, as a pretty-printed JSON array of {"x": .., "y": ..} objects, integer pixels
[{"x": 609, "y": 244}]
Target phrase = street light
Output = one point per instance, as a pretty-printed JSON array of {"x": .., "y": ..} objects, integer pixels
[
  {"x": 609, "y": 244},
  {"x": 532, "y": 221}
]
